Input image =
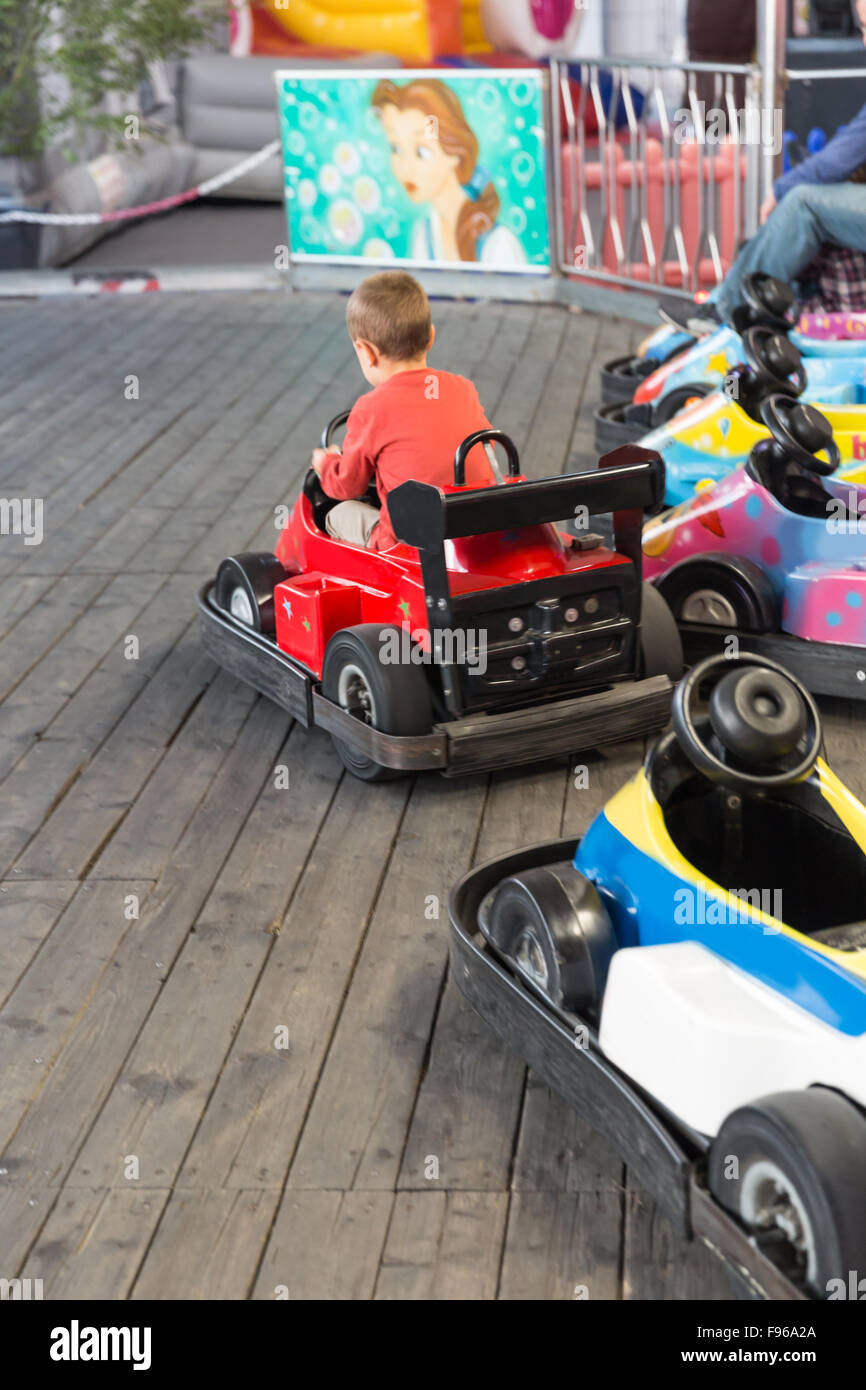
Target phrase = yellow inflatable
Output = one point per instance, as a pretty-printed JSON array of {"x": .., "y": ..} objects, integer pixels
[{"x": 415, "y": 30}]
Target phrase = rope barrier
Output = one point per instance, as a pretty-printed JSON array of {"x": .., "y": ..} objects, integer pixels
[{"x": 90, "y": 219}]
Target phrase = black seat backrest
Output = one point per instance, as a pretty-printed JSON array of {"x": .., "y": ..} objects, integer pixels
[
  {"x": 802, "y": 492},
  {"x": 794, "y": 486}
]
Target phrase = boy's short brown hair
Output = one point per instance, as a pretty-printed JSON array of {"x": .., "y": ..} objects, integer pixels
[{"x": 391, "y": 311}]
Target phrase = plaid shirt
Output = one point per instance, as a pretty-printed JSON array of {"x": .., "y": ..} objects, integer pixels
[{"x": 835, "y": 282}]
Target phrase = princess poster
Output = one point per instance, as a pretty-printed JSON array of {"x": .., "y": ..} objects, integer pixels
[{"x": 417, "y": 167}]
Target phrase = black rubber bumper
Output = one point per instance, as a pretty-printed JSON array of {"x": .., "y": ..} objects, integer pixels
[
  {"x": 564, "y": 1053},
  {"x": 619, "y": 423},
  {"x": 458, "y": 747},
  {"x": 621, "y": 376},
  {"x": 825, "y": 668}
]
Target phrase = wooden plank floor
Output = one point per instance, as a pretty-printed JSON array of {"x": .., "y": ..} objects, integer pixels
[{"x": 170, "y": 917}]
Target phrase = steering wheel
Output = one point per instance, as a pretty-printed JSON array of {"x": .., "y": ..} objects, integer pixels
[
  {"x": 332, "y": 427},
  {"x": 774, "y": 360},
  {"x": 479, "y": 437},
  {"x": 769, "y": 301},
  {"x": 762, "y": 729},
  {"x": 799, "y": 431},
  {"x": 313, "y": 489}
]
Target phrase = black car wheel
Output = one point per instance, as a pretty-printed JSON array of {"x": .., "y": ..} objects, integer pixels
[
  {"x": 730, "y": 593},
  {"x": 245, "y": 586},
  {"x": 661, "y": 650},
  {"x": 553, "y": 928},
  {"x": 392, "y": 696},
  {"x": 792, "y": 1168}
]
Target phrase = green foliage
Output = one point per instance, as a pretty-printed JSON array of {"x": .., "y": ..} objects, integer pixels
[{"x": 60, "y": 58}]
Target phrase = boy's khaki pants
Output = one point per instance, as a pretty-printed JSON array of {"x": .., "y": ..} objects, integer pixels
[{"x": 352, "y": 522}]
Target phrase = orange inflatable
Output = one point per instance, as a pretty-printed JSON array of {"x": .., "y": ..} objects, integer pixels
[{"x": 418, "y": 31}]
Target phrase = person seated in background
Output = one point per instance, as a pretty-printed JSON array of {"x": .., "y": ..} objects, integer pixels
[
  {"x": 820, "y": 201},
  {"x": 409, "y": 425}
]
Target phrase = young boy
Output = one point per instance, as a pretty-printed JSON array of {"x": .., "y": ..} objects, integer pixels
[{"x": 409, "y": 425}]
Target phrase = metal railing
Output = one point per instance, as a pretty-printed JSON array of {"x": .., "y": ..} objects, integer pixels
[{"x": 652, "y": 199}]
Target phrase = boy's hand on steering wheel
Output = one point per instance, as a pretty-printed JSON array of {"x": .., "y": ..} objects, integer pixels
[{"x": 319, "y": 456}]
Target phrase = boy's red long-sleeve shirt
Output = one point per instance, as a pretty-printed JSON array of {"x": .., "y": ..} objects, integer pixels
[{"x": 407, "y": 428}]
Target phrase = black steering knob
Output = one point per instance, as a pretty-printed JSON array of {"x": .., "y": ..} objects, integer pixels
[
  {"x": 782, "y": 357},
  {"x": 776, "y": 296},
  {"x": 757, "y": 715},
  {"x": 775, "y": 360},
  {"x": 761, "y": 730},
  {"x": 810, "y": 428},
  {"x": 800, "y": 432}
]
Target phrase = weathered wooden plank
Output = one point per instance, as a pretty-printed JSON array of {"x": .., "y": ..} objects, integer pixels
[
  {"x": 244, "y": 438},
  {"x": 42, "y": 1009},
  {"x": 443, "y": 1245},
  {"x": 276, "y": 469},
  {"x": 107, "y": 615},
  {"x": 65, "y": 372},
  {"x": 658, "y": 1265},
  {"x": 325, "y": 1246},
  {"x": 76, "y": 381},
  {"x": 173, "y": 444},
  {"x": 50, "y": 1135},
  {"x": 168, "y": 419},
  {"x": 529, "y": 372},
  {"x": 615, "y": 338},
  {"x": 30, "y": 335},
  {"x": 257, "y": 426},
  {"x": 512, "y": 324},
  {"x": 158, "y": 1097},
  {"x": 19, "y": 597},
  {"x": 253, "y": 1118},
  {"x": 593, "y": 779},
  {"x": 66, "y": 742},
  {"x": 205, "y": 1246},
  {"x": 367, "y": 1089},
  {"x": 71, "y": 837},
  {"x": 28, "y": 911},
  {"x": 85, "y": 394},
  {"x": 549, "y": 443},
  {"x": 558, "y": 1151},
  {"x": 81, "y": 1252},
  {"x": 467, "y": 1109},
  {"x": 47, "y": 621},
  {"x": 562, "y": 1245}
]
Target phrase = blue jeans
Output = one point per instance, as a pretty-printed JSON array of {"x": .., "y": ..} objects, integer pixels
[{"x": 808, "y": 216}]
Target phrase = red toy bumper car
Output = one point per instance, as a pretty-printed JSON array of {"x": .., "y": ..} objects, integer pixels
[{"x": 483, "y": 638}]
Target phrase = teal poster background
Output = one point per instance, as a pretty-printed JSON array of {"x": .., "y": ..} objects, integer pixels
[{"x": 345, "y": 201}]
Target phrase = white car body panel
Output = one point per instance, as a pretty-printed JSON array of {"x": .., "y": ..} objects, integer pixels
[{"x": 703, "y": 1037}]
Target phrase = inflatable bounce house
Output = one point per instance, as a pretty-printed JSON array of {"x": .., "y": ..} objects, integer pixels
[{"x": 419, "y": 32}]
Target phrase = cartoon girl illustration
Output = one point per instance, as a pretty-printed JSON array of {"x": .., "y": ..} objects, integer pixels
[{"x": 434, "y": 154}]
